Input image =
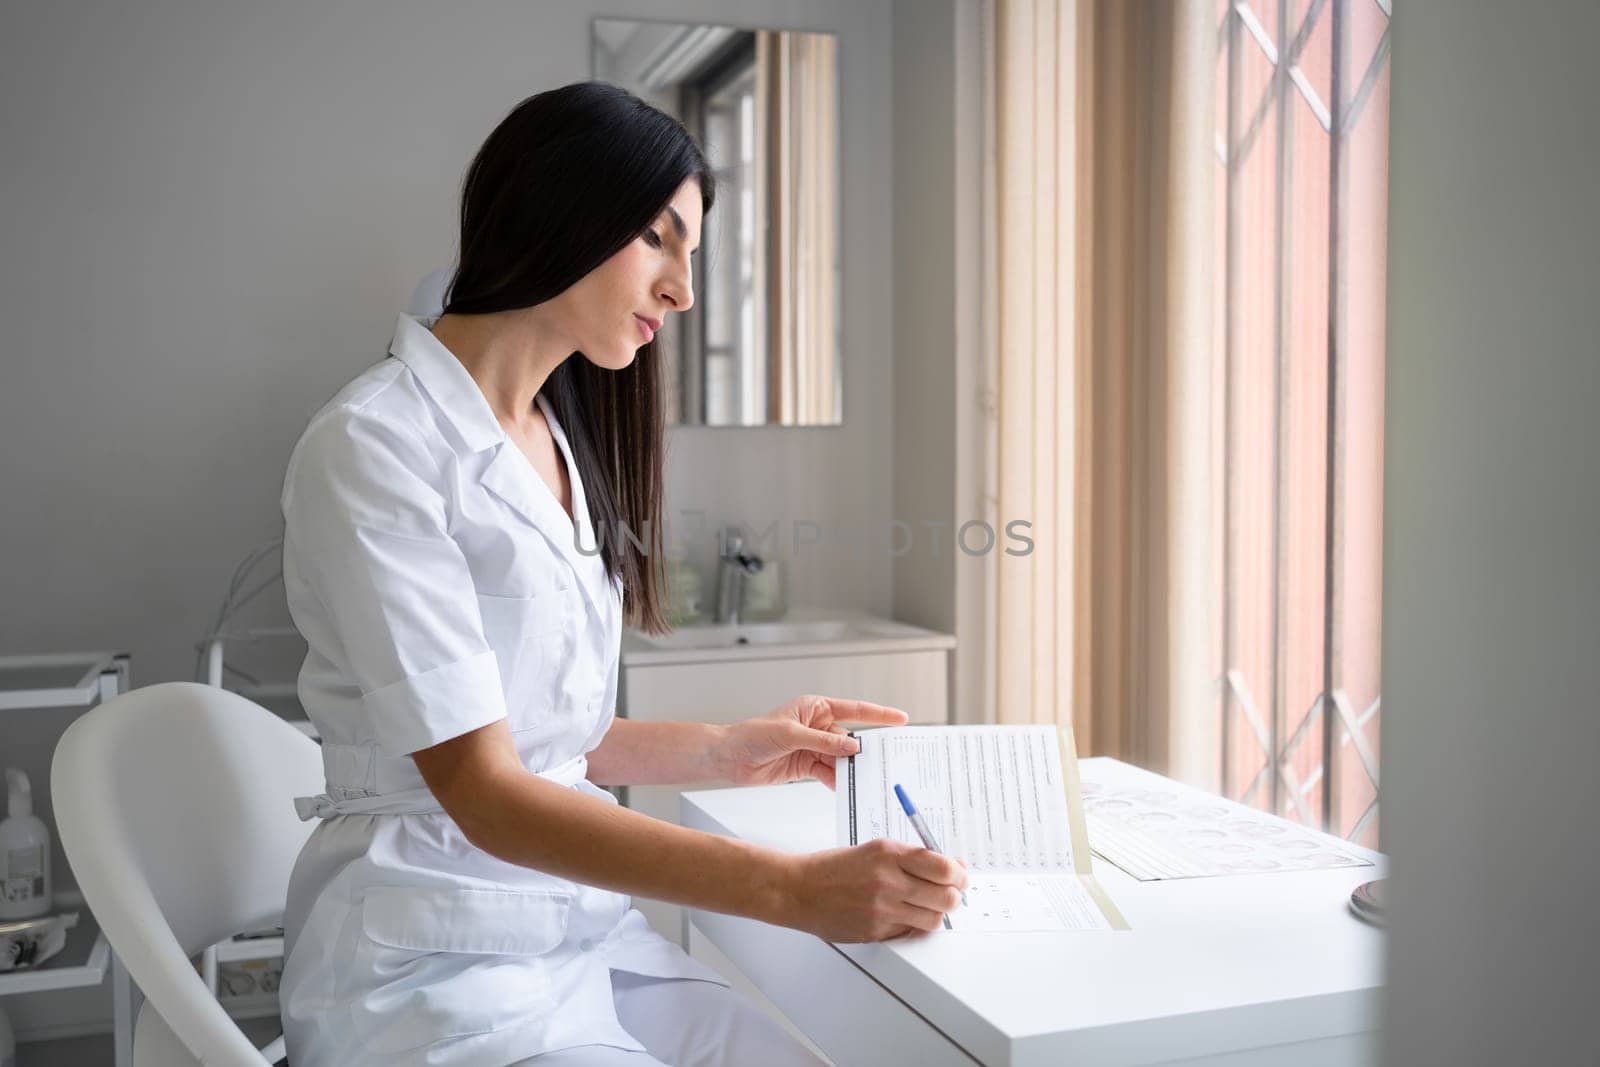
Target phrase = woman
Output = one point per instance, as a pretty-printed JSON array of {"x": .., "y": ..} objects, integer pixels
[{"x": 465, "y": 899}]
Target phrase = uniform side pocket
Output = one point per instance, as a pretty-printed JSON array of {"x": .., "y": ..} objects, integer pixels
[
  {"x": 510, "y": 922},
  {"x": 435, "y": 963}
]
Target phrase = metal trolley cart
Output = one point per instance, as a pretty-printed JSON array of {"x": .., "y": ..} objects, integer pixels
[{"x": 77, "y": 680}]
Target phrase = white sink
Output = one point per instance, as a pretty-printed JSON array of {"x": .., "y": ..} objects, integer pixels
[
  {"x": 804, "y": 633},
  {"x": 767, "y": 633}
]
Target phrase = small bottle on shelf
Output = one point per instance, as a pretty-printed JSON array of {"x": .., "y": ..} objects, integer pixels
[{"x": 24, "y": 853}]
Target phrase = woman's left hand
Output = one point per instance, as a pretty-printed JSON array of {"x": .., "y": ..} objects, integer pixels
[{"x": 799, "y": 740}]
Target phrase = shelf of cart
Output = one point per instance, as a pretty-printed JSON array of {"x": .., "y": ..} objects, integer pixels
[
  {"x": 250, "y": 948},
  {"x": 59, "y": 679},
  {"x": 83, "y": 962}
]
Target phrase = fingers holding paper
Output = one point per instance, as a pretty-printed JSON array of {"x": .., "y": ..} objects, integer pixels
[
  {"x": 801, "y": 739},
  {"x": 862, "y": 711}
]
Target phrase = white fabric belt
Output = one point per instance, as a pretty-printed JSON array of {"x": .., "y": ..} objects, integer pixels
[{"x": 420, "y": 801}]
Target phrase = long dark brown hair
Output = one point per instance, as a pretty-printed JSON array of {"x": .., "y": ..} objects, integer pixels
[{"x": 561, "y": 185}]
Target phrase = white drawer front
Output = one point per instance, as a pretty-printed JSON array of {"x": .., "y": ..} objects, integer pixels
[{"x": 915, "y": 682}]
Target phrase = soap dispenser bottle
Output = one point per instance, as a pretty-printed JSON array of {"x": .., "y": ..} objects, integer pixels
[{"x": 24, "y": 853}]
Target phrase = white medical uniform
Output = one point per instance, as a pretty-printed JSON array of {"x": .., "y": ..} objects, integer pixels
[{"x": 440, "y": 586}]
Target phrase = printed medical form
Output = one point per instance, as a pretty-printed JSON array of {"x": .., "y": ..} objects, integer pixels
[{"x": 1004, "y": 798}]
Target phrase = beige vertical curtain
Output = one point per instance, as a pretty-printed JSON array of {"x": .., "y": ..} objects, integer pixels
[
  {"x": 798, "y": 72},
  {"x": 1099, "y": 164}
]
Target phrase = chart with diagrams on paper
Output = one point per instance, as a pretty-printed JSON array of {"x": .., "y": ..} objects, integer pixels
[{"x": 1155, "y": 832}]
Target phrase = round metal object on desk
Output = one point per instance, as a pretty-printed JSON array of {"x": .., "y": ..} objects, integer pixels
[{"x": 1367, "y": 902}]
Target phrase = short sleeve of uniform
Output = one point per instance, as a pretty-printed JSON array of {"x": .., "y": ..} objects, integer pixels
[{"x": 366, "y": 521}]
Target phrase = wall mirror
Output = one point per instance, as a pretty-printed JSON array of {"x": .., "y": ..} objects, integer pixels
[{"x": 761, "y": 345}]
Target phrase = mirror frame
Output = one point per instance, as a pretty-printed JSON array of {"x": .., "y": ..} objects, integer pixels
[{"x": 693, "y": 331}]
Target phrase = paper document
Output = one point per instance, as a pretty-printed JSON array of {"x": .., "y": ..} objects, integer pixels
[
  {"x": 1003, "y": 798},
  {"x": 1177, "y": 832}
]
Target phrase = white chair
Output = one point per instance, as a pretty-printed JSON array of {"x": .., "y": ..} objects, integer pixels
[{"x": 175, "y": 807}]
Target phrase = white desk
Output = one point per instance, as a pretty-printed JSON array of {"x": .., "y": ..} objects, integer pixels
[{"x": 1228, "y": 972}]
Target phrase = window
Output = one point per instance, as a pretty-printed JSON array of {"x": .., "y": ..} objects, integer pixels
[
  {"x": 1302, "y": 94},
  {"x": 721, "y": 101}
]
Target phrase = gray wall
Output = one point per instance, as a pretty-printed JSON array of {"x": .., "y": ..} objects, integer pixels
[
  {"x": 213, "y": 213},
  {"x": 939, "y": 451},
  {"x": 212, "y": 218},
  {"x": 925, "y": 301},
  {"x": 1491, "y": 650}
]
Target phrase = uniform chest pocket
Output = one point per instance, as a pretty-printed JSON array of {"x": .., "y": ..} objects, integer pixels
[{"x": 528, "y": 636}]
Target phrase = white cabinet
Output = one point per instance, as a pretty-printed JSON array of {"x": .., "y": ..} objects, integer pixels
[{"x": 887, "y": 663}]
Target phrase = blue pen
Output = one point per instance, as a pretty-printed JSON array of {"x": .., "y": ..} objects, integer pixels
[{"x": 921, "y": 827}]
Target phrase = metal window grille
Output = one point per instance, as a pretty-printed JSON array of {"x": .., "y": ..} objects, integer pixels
[{"x": 1302, "y": 95}]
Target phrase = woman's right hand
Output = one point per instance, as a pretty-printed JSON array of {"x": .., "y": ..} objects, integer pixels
[{"x": 873, "y": 892}]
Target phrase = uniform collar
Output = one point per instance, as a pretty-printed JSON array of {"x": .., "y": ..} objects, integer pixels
[
  {"x": 447, "y": 382},
  {"x": 508, "y": 474}
]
